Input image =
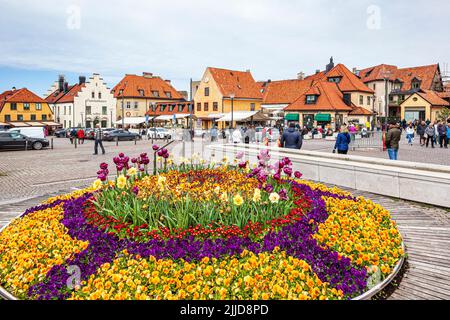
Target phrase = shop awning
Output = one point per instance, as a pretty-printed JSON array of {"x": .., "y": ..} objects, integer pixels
[
  {"x": 323, "y": 117},
  {"x": 19, "y": 124},
  {"x": 292, "y": 117},
  {"x": 132, "y": 120},
  {"x": 168, "y": 117},
  {"x": 36, "y": 124},
  {"x": 51, "y": 124},
  {"x": 215, "y": 115},
  {"x": 273, "y": 107},
  {"x": 243, "y": 116},
  {"x": 4, "y": 124}
]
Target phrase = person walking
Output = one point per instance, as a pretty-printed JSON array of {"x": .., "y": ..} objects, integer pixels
[
  {"x": 98, "y": 135},
  {"x": 430, "y": 133},
  {"x": 410, "y": 134},
  {"x": 236, "y": 136},
  {"x": 393, "y": 137},
  {"x": 291, "y": 138},
  {"x": 342, "y": 142},
  {"x": 442, "y": 132},
  {"x": 214, "y": 134},
  {"x": 421, "y": 132},
  {"x": 73, "y": 135},
  {"x": 80, "y": 136}
]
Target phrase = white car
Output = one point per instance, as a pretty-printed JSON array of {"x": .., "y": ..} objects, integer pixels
[
  {"x": 159, "y": 133},
  {"x": 32, "y": 132}
]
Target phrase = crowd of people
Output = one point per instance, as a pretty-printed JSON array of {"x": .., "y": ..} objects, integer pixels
[{"x": 429, "y": 133}]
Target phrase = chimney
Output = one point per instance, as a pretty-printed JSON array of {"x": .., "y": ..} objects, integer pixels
[
  {"x": 348, "y": 99},
  {"x": 301, "y": 75},
  {"x": 147, "y": 74},
  {"x": 66, "y": 87},
  {"x": 82, "y": 80},
  {"x": 330, "y": 65},
  {"x": 317, "y": 71},
  {"x": 13, "y": 89},
  {"x": 248, "y": 70},
  {"x": 61, "y": 83},
  {"x": 168, "y": 81}
]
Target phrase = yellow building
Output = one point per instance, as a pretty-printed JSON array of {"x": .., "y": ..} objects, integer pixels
[
  {"x": 24, "y": 108},
  {"x": 220, "y": 91},
  {"x": 422, "y": 105}
]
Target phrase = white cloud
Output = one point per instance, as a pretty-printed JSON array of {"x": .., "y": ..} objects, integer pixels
[{"x": 178, "y": 39}]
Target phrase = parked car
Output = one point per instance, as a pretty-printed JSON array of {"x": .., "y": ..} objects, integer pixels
[
  {"x": 61, "y": 133},
  {"x": 32, "y": 132},
  {"x": 159, "y": 133},
  {"x": 121, "y": 134},
  {"x": 15, "y": 140},
  {"x": 105, "y": 131}
]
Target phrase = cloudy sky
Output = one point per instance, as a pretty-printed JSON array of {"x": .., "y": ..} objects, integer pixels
[{"x": 178, "y": 39}]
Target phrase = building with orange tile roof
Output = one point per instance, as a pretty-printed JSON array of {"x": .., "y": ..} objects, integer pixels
[
  {"x": 24, "y": 108},
  {"x": 222, "y": 90},
  {"x": 324, "y": 103},
  {"x": 397, "y": 84},
  {"x": 83, "y": 104},
  {"x": 423, "y": 105},
  {"x": 361, "y": 95},
  {"x": 137, "y": 94}
]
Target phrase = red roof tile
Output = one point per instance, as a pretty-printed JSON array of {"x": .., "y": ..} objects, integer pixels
[
  {"x": 360, "y": 111},
  {"x": 20, "y": 96},
  {"x": 424, "y": 73},
  {"x": 71, "y": 94},
  {"x": 239, "y": 83},
  {"x": 283, "y": 91},
  {"x": 133, "y": 84},
  {"x": 330, "y": 99},
  {"x": 349, "y": 81},
  {"x": 433, "y": 97}
]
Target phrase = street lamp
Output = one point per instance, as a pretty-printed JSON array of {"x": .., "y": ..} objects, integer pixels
[
  {"x": 82, "y": 123},
  {"x": 232, "y": 109},
  {"x": 153, "y": 119},
  {"x": 386, "y": 75}
]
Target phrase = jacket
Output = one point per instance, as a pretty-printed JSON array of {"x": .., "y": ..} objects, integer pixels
[
  {"x": 98, "y": 134},
  {"x": 430, "y": 132},
  {"x": 441, "y": 130},
  {"x": 393, "y": 137},
  {"x": 291, "y": 139},
  {"x": 342, "y": 141},
  {"x": 420, "y": 130}
]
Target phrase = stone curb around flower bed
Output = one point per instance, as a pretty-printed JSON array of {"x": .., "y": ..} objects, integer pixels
[{"x": 365, "y": 296}]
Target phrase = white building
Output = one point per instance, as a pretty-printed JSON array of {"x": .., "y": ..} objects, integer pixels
[{"x": 84, "y": 104}]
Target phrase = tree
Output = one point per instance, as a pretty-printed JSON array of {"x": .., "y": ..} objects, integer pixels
[{"x": 444, "y": 114}]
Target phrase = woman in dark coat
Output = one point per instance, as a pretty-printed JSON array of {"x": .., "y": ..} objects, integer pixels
[{"x": 342, "y": 141}]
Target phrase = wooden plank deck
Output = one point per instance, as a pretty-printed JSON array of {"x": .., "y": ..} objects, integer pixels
[{"x": 426, "y": 234}]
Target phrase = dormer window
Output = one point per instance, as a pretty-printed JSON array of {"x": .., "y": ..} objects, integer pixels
[
  {"x": 168, "y": 94},
  {"x": 172, "y": 106},
  {"x": 141, "y": 92},
  {"x": 121, "y": 92},
  {"x": 163, "y": 107},
  {"x": 334, "y": 79},
  {"x": 311, "y": 99},
  {"x": 155, "y": 94},
  {"x": 398, "y": 85},
  {"x": 415, "y": 85}
]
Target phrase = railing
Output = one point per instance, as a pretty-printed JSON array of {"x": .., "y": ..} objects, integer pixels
[{"x": 369, "y": 140}]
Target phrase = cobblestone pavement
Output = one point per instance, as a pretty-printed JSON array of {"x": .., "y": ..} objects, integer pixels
[{"x": 415, "y": 153}]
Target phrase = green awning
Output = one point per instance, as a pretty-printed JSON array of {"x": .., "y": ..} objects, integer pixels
[
  {"x": 323, "y": 117},
  {"x": 292, "y": 117}
]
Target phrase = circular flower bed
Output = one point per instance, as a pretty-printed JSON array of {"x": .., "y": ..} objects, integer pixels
[{"x": 199, "y": 231}]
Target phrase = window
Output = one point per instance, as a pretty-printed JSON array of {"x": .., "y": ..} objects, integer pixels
[
  {"x": 311, "y": 99},
  {"x": 65, "y": 124},
  {"x": 7, "y": 117},
  {"x": 128, "y": 105},
  {"x": 391, "y": 98},
  {"x": 168, "y": 94},
  {"x": 374, "y": 86},
  {"x": 88, "y": 110},
  {"x": 26, "y": 106},
  {"x": 199, "y": 106},
  {"x": 334, "y": 79},
  {"x": 44, "y": 117},
  {"x": 33, "y": 117},
  {"x": 20, "y": 117},
  {"x": 252, "y": 106},
  {"x": 141, "y": 92},
  {"x": 171, "y": 107},
  {"x": 88, "y": 124},
  {"x": 163, "y": 107},
  {"x": 153, "y": 106},
  {"x": 99, "y": 95},
  {"x": 93, "y": 95},
  {"x": 70, "y": 123},
  {"x": 104, "y": 123},
  {"x": 104, "y": 111},
  {"x": 368, "y": 100},
  {"x": 215, "y": 106},
  {"x": 65, "y": 110},
  {"x": 206, "y": 106},
  {"x": 180, "y": 108},
  {"x": 361, "y": 100},
  {"x": 121, "y": 92},
  {"x": 13, "y": 106},
  {"x": 155, "y": 94},
  {"x": 38, "y": 106},
  {"x": 70, "y": 110},
  {"x": 415, "y": 85},
  {"x": 136, "y": 105},
  {"x": 206, "y": 91}
]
